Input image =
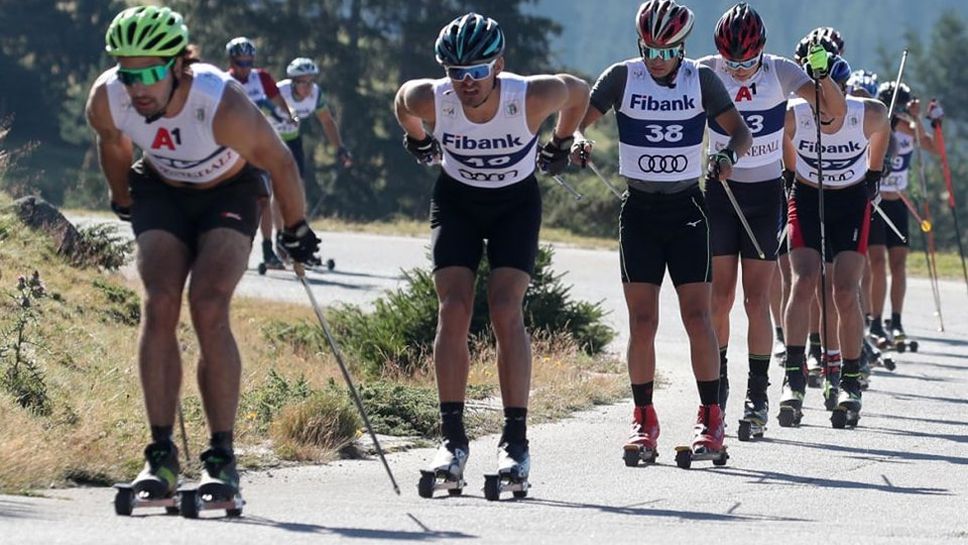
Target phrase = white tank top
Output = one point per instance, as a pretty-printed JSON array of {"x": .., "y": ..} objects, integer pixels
[
  {"x": 844, "y": 152},
  {"x": 180, "y": 148},
  {"x": 253, "y": 86},
  {"x": 302, "y": 109},
  {"x": 762, "y": 103},
  {"x": 897, "y": 177},
  {"x": 494, "y": 154},
  {"x": 660, "y": 129}
]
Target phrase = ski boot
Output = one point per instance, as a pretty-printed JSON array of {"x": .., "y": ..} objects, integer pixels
[
  {"x": 270, "y": 261},
  {"x": 865, "y": 370},
  {"x": 791, "y": 397},
  {"x": 779, "y": 349},
  {"x": 815, "y": 361},
  {"x": 513, "y": 468},
  {"x": 876, "y": 358},
  {"x": 879, "y": 336},
  {"x": 155, "y": 486},
  {"x": 756, "y": 409},
  {"x": 641, "y": 445},
  {"x": 901, "y": 342},
  {"x": 847, "y": 411},
  {"x": 446, "y": 471},
  {"x": 316, "y": 264},
  {"x": 218, "y": 488},
  {"x": 831, "y": 384},
  {"x": 707, "y": 443}
]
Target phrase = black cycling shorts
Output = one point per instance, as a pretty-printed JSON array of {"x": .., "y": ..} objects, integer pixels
[
  {"x": 846, "y": 216},
  {"x": 235, "y": 203},
  {"x": 881, "y": 234},
  {"x": 761, "y": 203},
  {"x": 462, "y": 217},
  {"x": 658, "y": 231}
]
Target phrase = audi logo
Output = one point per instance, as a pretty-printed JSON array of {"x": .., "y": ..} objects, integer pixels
[{"x": 665, "y": 164}]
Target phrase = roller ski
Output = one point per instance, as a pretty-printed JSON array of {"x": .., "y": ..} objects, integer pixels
[
  {"x": 779, "y": 349},
  {"x": 270, "y": 261},
  {"x": 900, "y": 342},
  {"x": 831, "y": 385},
  {"x": 707, "y": 444},
  {"x": 756, "y": 409},
  {"x": 641, "y": 445},
  {"x": 218, "y": 488},
  {"x": 847, "y": 411},
  {"x": 875, "y": 357},
  {"x": 815, "y": 362},
  {"x": 791, "y": 398},
  {"x": 446, "y": 471},
  {"x": 155, "y": 486},
  {"x": 513, "y": 468}
]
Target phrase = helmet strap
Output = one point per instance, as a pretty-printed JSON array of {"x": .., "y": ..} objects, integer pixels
[{"x": 161, "y": 113}]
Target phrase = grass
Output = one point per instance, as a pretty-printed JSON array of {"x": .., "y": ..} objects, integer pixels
[{"x": 293, "y": 407}]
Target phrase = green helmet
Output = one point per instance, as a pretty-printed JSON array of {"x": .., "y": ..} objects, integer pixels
[{"x": 146, "y": 31}]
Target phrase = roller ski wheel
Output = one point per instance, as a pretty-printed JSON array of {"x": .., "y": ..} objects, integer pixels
[
  {"x": 218, "y": 489},
  {"x": 513, "y": 470},
  {"x": 155, "y": 486},
  {"x": 750, "y": 429},
  {"x": 789, "y": 416},
  {"x": 192, "y": 501},
  {"x": 814, "y": 372},
  {"x": 707, "y": 443},
  {"x": 330, "y": 264},
  {"x": 888, "y": 363},
  {"x": 127, "y": 499},
  {"x": 847, "y": 412},
  {"x": 831, "y": 386},
  {"x": 791, "y": 399},
  {"x": 446, "y": 471},
  {"x": 756, "y": 409},
  {"x": 641, "y": 444},
  {"x": 633, "y": 454},
  {"x": 685, "y": 456},
  {"x": 270, "y": 266}
]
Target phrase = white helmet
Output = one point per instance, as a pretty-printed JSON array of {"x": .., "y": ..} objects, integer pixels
[{"x": 301, "y": 66}]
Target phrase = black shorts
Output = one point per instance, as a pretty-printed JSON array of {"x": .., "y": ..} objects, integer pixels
[
  {"x": 463, "y": 217},
  {"x": 846, "y": 216},
  {"x": 761, "y": 203},
  {"x": 881, "y": 234},
  {"x": 296, "y": 147},
  {"x": 186, "y": 213},
  {"x": 658, "y": 230}
]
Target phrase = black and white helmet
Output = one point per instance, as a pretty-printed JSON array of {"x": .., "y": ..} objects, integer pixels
[
  {"x": 469, "y": 39},
  {"x": 302, "y": 66},
  {"x": 240, "y": 47}
]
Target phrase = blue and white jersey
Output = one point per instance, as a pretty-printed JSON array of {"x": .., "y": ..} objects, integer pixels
[
  {"x": 762, "y": 102},
  {"x": 661, "y": 128},
  {"x": 844, "y": 153},
  {"x": 494, "y": 154},
  {"x": 897, "y": 177}
]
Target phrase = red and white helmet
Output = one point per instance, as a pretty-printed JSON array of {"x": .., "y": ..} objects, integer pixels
[{"x": 663, "y": 23}]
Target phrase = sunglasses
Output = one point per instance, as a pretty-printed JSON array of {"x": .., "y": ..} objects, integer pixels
[
  {"x": 243, "y": 64},
  {"x": 666, "y": 53},
  {"x": 475, "y": 72},
  {"x": 742, "y": 65},
  {"x": 145, "y": 76}
]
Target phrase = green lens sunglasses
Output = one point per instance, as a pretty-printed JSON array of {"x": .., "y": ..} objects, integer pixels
[{"x": 146, "y": 76}]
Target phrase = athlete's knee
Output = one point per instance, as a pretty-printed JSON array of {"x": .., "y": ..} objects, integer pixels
[
  {"x": 453, "y": 310},
  {"x": 506, "y": 314},
  {"x": 161, "y": 308},
  {"x": 756, "y": 302},
  {"x": 696, "y": 318},
  {"x": 209, "y": 308},
  {"x": 722, "y": 299},
  {"x": 846, "y": 294},
  {"x": 643, "y": 324}
]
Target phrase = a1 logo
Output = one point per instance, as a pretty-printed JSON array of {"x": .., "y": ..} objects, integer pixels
[
  {"x": 163, "y": 139},
  {"x": 745, "y": 93}
]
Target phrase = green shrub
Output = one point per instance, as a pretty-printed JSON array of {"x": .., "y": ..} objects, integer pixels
[
  {"x": 398, "y": 335},
  {"x": 102, "y": 245},
  {"x": 397, "y": 409},
  {"x": 324, "y": 421},
  {"x": 267, "y": 400},
  {"x": 124, "y": 305}
]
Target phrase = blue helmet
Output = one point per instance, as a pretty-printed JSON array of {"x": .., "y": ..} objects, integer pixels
[
  {"x": 469, "y": 39},
  {"x": 240, "y": 47},
  {"x": 862, "y": 80}
]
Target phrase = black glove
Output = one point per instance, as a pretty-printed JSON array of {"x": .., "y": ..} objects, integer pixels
[
  {"x": 427, "y": 151},
  {"x": 713, "y": 167},
  {"x": 789, "y": 179},
  {"x": 299, "y": 241},
  {"x": 553, "y": 156},
  {"x": 344, "y": 157},
  {"x": 873, "y": 181},
  {"x": 123, "y": 212}
]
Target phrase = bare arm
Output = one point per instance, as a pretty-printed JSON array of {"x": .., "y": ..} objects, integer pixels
[
  {"x": 330, "y": 127},
  {"x": 414, "y": 107},
  {"x": 911, "y": 125},
  {"x": 878, "y": 130},
  {"x": 280, "y": 104},
  {"x": 239, "y": 125},
  {"x": 561, "y": 93},
  {"x": 832, "y": 100},
  {"x": 115, "y": 151}
]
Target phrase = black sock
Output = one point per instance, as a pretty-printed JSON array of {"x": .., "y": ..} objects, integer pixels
[
  {"x": 515, "y": 425},
  {"x": 642, "y": 393},
  {"x": 161, "y": 434},
  {"x": 876, "y": 323},
  {"x": 895, "y": 320},
  {"x": 759, "y": 365},
  {"x": 222, "y": 440},
  {"x": 722, "y": 363},
  {"x": 815, "y": 340},
  {"x": 851, "y": 366},
  {"x": 708, "y": 391},
  {"x": 778, "y": 333},
  {"x": 452, "y": 422},
  {"x": 795, "y": 356}
]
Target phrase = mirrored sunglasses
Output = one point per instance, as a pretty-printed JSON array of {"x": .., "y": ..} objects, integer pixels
[
  {"x": 475, "y": 72},
  {"x": 742, "y": 65},
  {"x": 145, "y": 76}
]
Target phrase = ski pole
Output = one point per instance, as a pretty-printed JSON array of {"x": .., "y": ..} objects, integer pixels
[
  {"x": 301, "y": 274},
  {"x": 897, "y": 85},
  {"x": 888, "y": 221},
  {"x": 739, "y": 213},
  {"x": 820, "y": 210},
  {"x": 561, "y": 181},
  {"x": 923, "y": 223},
  {"x": 608, "y": 184},
  {"x": 946, "y": 169},
  {"x": 927, "y": 237}
]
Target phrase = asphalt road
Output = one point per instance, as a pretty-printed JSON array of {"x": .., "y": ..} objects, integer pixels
[{"x": 900, "y": 477}]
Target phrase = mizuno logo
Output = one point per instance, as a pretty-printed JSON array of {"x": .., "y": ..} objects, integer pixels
[
  {"x": 646, "y": 102},
  {"x": 693, "y": 223}
]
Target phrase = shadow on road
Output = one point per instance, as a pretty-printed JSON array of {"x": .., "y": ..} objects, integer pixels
[
  {"x": 314, "y": 280},
  {"x": 902, "y": 454},
  {"x": 13, "y": 508},
  {"x": 425, "y": 534},
  {"x": 915, "y": 419},
  {"x": 942, "y": 340},
  {"x": 919, "y": 434},
  {"x": 775, "y": 477},
  {"x": 907, "y": 397},
  {"x": 913, "y": 377},
  {"x": 669, "y": 513}
]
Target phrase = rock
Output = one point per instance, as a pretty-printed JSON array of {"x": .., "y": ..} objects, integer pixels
[{"x": 37, "y": 213}]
